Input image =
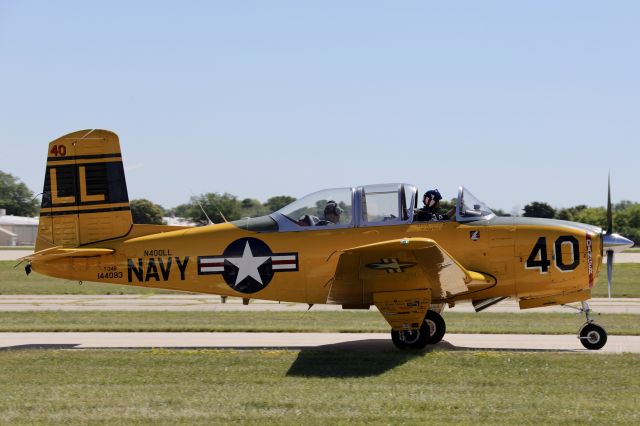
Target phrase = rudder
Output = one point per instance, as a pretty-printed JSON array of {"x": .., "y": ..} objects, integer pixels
[{"x": 85, "y": 198}]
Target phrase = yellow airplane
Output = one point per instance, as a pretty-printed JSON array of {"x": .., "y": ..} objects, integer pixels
[{"x": 355, "y": 247}]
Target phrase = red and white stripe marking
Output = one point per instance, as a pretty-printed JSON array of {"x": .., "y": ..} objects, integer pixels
[
  {"x": 284, "y": 262},
  {"x": 279, "y": 262},
  {"x": 211, "y": 265}
]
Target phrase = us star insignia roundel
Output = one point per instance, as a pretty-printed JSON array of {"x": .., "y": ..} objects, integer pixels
[{"x": 248, "y": 264}]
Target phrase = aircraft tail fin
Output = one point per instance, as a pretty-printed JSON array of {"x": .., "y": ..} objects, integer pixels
[{"x": 85, "y": 198}]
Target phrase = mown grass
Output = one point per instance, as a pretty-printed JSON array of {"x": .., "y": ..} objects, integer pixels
[
  {"x": 626, "y": 281},
  {"x": 316, "y": 387},
  {"x": 15, "y": 281},
  {"x": 322, "y": 321}
]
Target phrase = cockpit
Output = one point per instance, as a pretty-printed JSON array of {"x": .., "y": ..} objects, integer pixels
[{"x": 368, "y": 206}]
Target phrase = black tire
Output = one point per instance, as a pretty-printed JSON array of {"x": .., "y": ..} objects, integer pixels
[
  {"x": 409, "y": 340},
  {"x": 406, "y": 340},
  {"x": 431, "y": 332},
  {"x": 434, "y": 326},
  {"x": 593, "y": 337}
]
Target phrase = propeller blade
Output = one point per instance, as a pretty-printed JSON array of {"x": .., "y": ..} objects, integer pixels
[
  {"x": 609, "y": 212},
  {"x": 609, "y": 270}
]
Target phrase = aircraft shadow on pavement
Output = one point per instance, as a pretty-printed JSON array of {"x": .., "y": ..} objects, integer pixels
[{"x": 39, "y": 346}]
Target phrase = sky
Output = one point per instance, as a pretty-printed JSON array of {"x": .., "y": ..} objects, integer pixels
[{"x": 518, "y": 101}]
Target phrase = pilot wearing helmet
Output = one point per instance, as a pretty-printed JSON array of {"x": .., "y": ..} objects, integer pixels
[
  {"x": 332, "y": 214},
  {"x": 430, "y": 210}
]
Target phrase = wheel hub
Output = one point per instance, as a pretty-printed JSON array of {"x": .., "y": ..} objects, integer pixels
[
  {"x": 593, "y": 337},
  {"x": 410, "y": 336},
  {"x": 432, "y": 327}
]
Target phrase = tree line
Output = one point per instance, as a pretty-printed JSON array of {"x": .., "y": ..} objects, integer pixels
[
  {"x": 209, "y": 206},
  {"x": 19, "y": 200},
  {"x": 626, "y": 216}
]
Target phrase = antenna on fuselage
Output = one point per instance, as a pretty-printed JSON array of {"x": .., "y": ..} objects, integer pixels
[
  {"x": 197, "y": 200},
  {"x": 221, "y": 215}
]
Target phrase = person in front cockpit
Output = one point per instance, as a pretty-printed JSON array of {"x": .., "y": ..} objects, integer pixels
[{"x": 431, "y": 209}]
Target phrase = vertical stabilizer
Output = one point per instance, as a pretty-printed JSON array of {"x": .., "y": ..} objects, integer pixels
[{"x": 85, "y": 197}]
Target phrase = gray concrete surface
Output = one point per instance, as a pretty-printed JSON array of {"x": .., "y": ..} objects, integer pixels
[
  {"x": 315, "y": 341},
  {"x": 625, "y": 258},
  {"x": 14, "y": 254},
  {"x": 17, "y": 303}
]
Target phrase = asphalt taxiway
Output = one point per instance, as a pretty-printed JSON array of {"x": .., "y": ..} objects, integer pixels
[{"x": 298, "y": 341}]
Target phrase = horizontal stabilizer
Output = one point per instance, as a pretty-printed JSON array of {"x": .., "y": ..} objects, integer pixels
[{"x": 59, "y": 252}]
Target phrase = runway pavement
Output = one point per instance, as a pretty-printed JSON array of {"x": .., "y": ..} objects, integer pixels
[
  {"x": 16, "y": 303},
  {"x": 14, "y": 254},
  {"x": 303, "y": 341}
]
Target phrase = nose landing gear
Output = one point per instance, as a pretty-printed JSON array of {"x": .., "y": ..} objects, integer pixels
[{"x": 591, "y": 335}]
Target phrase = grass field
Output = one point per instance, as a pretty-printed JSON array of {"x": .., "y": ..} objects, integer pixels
[
  {"x": 15, "y": 281},
  {"x": 316, "y": 387},
  {"x": 626, "y": 281},
  {"x": 340, "y": 321}
]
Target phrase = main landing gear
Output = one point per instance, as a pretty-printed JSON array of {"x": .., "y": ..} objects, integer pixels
[
  {"x": 431, "y": 332},
  {"x": 591, "y": 335}
]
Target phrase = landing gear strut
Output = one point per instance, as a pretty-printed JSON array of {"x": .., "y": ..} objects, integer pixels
[
  {"x": 431, "y": 332},
  {"x": 592, "y": 336}
]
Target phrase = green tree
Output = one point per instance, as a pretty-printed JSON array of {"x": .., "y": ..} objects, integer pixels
[
  {"x": 144, "y": 211},
  {"x": 626, "y": 218},
  {"x": 181, "y": 210},
  {"x": 253, "y": 208},
  {"x": 15, "y": 197},
  {"x": 445, "y": 206},
  {"x": 278, "y": 202},
  {"x": 626, "y": 221},
  {"x": 570, "y": 213},
  {"x": 215, "y": 205},
  {"x": 539, "y": 209},
  {"x": 500, "y": 212},
  {"x": 592, "y": 215}
]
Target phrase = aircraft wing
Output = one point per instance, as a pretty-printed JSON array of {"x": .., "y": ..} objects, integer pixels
[{"x": 401, "y": 277}]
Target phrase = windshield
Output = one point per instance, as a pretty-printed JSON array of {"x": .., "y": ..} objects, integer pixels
[
  {"x": 469, "y": 208},
  {"x": 380, "y": 203},
  {"x": 329, "y": 207}
]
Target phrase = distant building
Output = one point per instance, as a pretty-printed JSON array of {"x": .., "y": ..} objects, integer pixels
[
  {"x": 23, "y": 231},
  {"x": 17, "y": 230},
  {"x": 177, "y": 221}
]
